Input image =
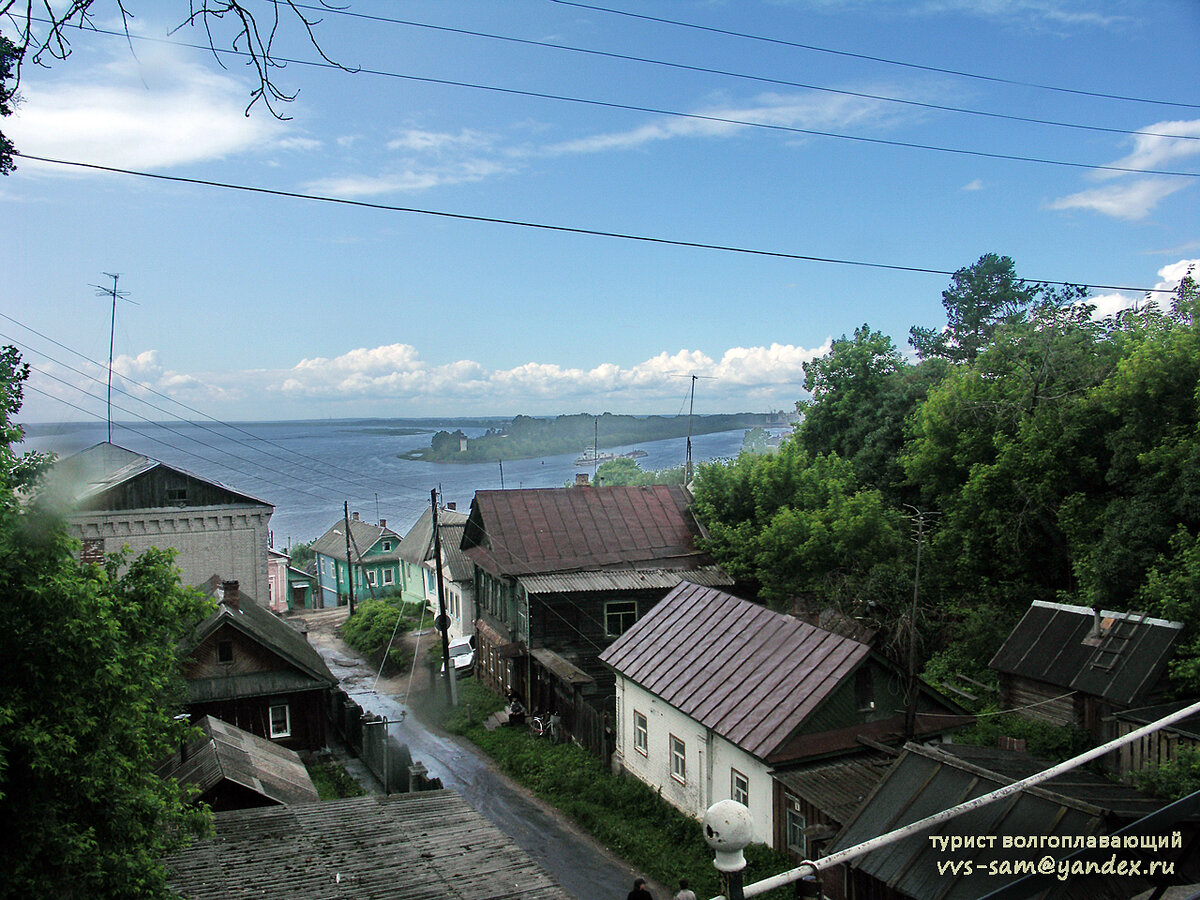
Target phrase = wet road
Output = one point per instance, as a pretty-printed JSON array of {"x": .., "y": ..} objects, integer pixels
[{"x": 575, "y": 860}]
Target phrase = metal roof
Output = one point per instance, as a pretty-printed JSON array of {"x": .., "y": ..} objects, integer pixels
[
  {"x": 226, "y": 753},
  {"x": 622, "y": 580},
  {"x": 1050, "y": 645},
  {"x": 837, "y": 788},
  {"x": 104, "y": 466},
  {"x": 403, "y": 847},
  {"x": 457, "y": 563},
  {"x": 927, "y": 780},
  {"x": 750, "y": 674},
  {"x": 543, "y": 530},
  {"x": 562, "y": 669},
  {"x": 363, "y": 536}
]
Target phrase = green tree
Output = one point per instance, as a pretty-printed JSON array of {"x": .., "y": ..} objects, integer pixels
[
  {"x": 8, "y": 90},
  {"x": 980, "y": 299},
  {"x": 90, "y": 685}
]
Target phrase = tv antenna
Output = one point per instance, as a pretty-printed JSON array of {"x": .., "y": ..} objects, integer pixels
[{"x": 112, "y": 328}]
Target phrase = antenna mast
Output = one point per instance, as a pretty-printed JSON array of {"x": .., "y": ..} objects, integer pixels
[{"x": 112, "y": 329}]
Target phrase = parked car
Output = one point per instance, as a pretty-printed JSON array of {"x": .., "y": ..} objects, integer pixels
[{"x": 462, "y": 654}]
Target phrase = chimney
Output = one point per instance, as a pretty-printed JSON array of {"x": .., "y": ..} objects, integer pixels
[
  {"x": 383, "y": 523},
  {"x": 229, "y": 594},
  {"x": 353, "y": 517},
  {"x": 581, "y": 479}
]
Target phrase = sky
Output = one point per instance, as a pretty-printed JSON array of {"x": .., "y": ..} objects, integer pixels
[{"x": 559, "y": 208}]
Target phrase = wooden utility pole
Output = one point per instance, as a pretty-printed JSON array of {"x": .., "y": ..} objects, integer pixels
[
  {"x": 349, "y": 558},
  {"x": 443, "y": 620}
]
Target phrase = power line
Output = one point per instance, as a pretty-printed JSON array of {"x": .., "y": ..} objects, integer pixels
[
  {"x": 565, "y": 229},
  {"x": 787, "y": 129},
  {"x": 880, "y": 59},
  {"x": 738, "y": 75}
]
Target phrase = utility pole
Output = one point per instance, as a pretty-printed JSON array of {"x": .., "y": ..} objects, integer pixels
[
  {"x": 349, "y": 558},
  {"x": 910, "y": 712},
  {"x": 112, "y": 330},
  {"x": 443, "y": 620},
  {"x": 500, "y": 462},
  {"x": 687, "y": 464}
]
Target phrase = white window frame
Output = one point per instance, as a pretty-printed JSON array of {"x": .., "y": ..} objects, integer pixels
[
  {"x": 387, "y": 546},
  {"x": 678, "y": 760},
  {"x": 641, "y": 734},
  {"x": 739, "y": 787},
  {"x": 389, "y": 577},
  {"x": 371, "y": 577},
  {"x": 794, "y": 825},
  {"x": 286, "y": 731}
]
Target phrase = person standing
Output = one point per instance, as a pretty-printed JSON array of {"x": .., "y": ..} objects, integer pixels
[
  {"x": 639, "y": 891},
  {"x": 684, "y": 892}
]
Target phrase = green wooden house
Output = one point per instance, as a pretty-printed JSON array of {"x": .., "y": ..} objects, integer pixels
[{"x": 373, "y": 562}]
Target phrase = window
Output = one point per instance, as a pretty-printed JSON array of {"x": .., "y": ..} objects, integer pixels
[
  {"x": 739, "y": 788},
  {"x": 177, "y": 495},
  {"x": 678, "y": 760},
  {"x": 864, "y": 689},
  {"x": 281, "y": 721},
  {"x": 371, "y": 577},
  {"x": 387, "y": 545},
  {"x": 389, "y": 577},
  {"x": 93, "y": 551},
  {"x": 795, "y": 825},
  {"x": 619, "y": 615},
  {"x": 224, "y": 651},
  {"x": 641, "y": 734}
]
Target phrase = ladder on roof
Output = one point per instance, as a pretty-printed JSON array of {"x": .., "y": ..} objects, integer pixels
[{"x": 1120, "y": 633}]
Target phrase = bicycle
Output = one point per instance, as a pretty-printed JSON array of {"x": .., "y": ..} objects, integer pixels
[{"x": 547, "y": 725}]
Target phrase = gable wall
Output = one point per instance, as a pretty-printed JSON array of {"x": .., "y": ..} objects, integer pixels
[
  {"x": 710, "y": 759},
  {"x": 249, "y": 656}
]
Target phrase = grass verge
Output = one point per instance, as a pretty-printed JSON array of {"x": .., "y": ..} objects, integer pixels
[
  {"x": 621, "y": 812},
  {"x": 332, "y": 781}
]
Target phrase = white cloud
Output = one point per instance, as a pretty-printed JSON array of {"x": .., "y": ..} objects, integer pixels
[
  {"x": 1131, "y": 200},
  {"x": 414, "y": 139},
  {"x": 412, "y": 176},
  {"x": 1153, "y": 151},
  {"x": 975, "y": 185},
  {"x": 1169, "y": 277},
  {"x": 154, "y": 111}
]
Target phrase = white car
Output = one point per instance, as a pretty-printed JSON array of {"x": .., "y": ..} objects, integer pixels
[{"x": 462, "y": 654}]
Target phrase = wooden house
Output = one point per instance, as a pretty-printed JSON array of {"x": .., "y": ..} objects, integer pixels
[
  {"x": 423, "y": 845},
  {"x": 115, "y": 497},
  {"x": 250, "y": 668},
  {"x": 372, "y": 564},
  {"x": 234, "y": 769},
  {"x": 560, "y": 573},
  {"x": 1075, "y": 666},
  {"x": 1045, "y": 824},
  {"x": 720, "y": 698}
]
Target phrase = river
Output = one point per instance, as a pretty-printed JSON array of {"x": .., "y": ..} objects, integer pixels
[{"x": 308, "y": 469}]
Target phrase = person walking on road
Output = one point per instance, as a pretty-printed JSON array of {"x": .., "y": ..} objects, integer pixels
[
  {"x": 639, "y": 891},
  {"x": 684, "y": 892}
]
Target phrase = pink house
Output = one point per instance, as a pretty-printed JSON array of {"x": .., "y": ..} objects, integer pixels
[{"x": 277, "y": 580}]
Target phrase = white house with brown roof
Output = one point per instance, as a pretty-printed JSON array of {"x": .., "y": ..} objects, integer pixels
[{"x": 715, "y": 693}]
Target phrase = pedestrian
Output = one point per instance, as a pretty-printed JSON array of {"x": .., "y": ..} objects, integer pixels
[
  {"x": 684, "y": 892},
  {"x": 639, "y": 891}
]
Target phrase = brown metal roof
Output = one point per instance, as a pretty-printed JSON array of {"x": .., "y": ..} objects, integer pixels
[
  {"x": 621, "y": 580},
  {"x": 541, "y": 530},
  {"x": 1049, "y": 644},
  {"x": 750, "y": 674}
]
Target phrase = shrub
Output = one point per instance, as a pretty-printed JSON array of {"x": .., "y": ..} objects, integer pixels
[
  {"x": 1174, "y": 779},
  {"x": 371, "y": 629}
]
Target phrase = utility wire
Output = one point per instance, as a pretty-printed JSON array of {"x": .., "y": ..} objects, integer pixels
[
  {"x": 565, "y": 229},
  {"x": 353, "y": 476},
  {"x": 879, "y": 59},
  {"x": 788, "y": 129},
  {"x": 738, "y": 75}
]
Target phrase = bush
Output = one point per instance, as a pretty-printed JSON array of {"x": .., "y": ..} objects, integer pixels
[
  {"x": 1056, "y": 743},
  {"x": 332, "y": 781},
  {"x": 1172, "y": 780},
  {"x": 371, "y": 629}
]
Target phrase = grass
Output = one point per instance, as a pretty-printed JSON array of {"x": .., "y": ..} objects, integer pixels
[
  {"x": 621, "y": 812},
  {"x": 332, "y": 780}
]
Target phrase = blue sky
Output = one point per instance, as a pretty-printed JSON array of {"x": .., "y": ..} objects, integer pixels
[{"x": 256, "y": 306}]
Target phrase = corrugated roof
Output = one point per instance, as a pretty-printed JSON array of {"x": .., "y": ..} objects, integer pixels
[
  {"x": 750, "y": 674},
  {"x": 224, "y": 752},
  {"x": 1049, "y": 645},
  {"x": 622, "y": 580},
  {"x": 403, "y": 847},
  {"x": 837, "y": 788},
  {"x": 457, "y": 563},
  {"x": 542, "y": 530},
  {"x": 928, "y": 780}
]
